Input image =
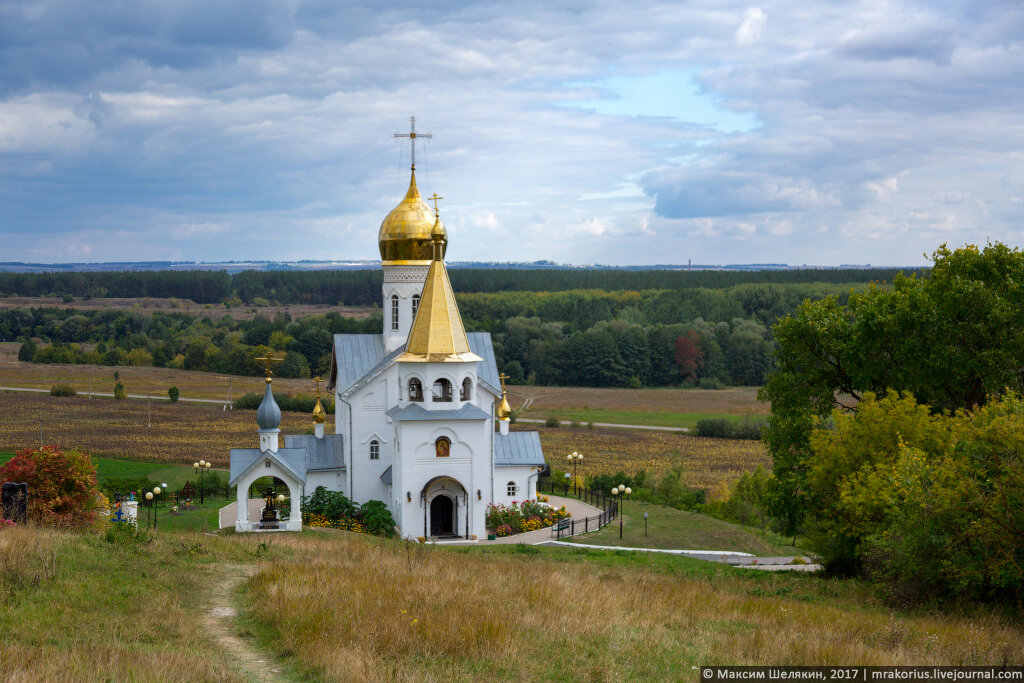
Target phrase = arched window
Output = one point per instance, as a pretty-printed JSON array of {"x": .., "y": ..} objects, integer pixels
[
  {"x": 375, "y": 450},
  {"x": 415, "y": 305},
  {"x": 467, "y": 390},
  {"x": 442, "y": 390},
  {"x": 394, "y": 311},
  {"x": 415, "y": 390},
  {"x": 512, "y": 488},
  {"x": 443, "y": 447}
]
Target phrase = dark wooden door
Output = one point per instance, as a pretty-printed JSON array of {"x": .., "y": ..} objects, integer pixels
[{"x": 442, "y": 516}]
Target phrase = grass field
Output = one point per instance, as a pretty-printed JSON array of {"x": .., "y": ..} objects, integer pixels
[
  {"x": 111, "y": 468},
  {"x": 184, "y": 433},
  {"x": 628, "y": 417},
  {"x": 180, "y": 434},
  {"x": 705, "y": 462},
  {"x": 682, "y": 530},
  {"x": 730, "y": 401},
  {"x": 137, "y": 380},
  {"x": 338, "y": 606}
]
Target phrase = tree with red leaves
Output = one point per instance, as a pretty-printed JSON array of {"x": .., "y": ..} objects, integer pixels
[
  {"x": 62, "y": 486},
  {"x": 689, "y": 356}
]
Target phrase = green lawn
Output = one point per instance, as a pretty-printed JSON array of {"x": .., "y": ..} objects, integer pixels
[
  {"x": 174, "y": 476},
  {"x": 682, "y": 530},
  {"x": 653, "y": 419}
]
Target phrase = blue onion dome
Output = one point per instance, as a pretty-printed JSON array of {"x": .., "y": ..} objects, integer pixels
[{"x": 269, "y": 414}]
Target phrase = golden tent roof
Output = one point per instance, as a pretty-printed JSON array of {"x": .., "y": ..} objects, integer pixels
[{"x": 437, "y": 334}]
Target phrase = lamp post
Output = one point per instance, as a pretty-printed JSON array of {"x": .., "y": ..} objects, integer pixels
[
  {"x": 567, "y": 475},
  {"x": 200, "y": 468},
  {"x": 280, "y": 500},
  {"x": 645, "y": 524},
  {"x": 156, "y": 501},
  {"x": 575, "y": 459},
  {"x": 619, "y": 491},
  {"x": 149, "y": 508}
]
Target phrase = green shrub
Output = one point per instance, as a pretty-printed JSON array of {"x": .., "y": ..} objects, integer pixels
[
  {"x": 300, "y": 403},
  {"x": 27, "y": 352},
  {"x": 63, "y": 389},
  {"x": 173, "y": 394},
  {"x": 376, "y": 518},
  {"x": 331, "y": 504},
  {"x": 551, "y": 421},
  {"x": 721, "y": 428}
]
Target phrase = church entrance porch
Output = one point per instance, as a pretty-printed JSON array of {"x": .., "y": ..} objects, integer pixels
[
  {"x": 445, "y": 508},
  {"x": 442, "y": 516}
]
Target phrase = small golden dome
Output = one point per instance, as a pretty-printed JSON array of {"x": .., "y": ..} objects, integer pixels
[
  {"x": 405, "y": 235},
  {"x": 504, "y": 410},
  {"x": 318, "y": 412}
]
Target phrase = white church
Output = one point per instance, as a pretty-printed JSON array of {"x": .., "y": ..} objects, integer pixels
[{"x": 421, "y": 416}]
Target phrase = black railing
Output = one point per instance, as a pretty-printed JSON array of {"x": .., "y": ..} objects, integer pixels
[{"x": 571, "y": 527}]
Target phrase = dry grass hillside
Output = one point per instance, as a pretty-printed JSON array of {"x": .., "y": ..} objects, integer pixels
[{"x": 339, "y": 606}]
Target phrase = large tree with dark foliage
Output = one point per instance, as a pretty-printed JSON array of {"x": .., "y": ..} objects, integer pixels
[{"x": 952, "y": 339}]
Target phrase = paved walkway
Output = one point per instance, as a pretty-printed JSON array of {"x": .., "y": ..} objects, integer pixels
[
  {"x": 730, "y": 557},
  {"x": 577, "y": 509},
  {"x": 155, "y": 397}
]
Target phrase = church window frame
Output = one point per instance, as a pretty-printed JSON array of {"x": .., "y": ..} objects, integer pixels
[
  {"x": 512, "y": 489},
  {"x": 443, "y": 447},
  {"x": 375, "y": 450},
  {"x": 415, "y": 390},
  {"x": 466, "y": 392},
  {"x": 415, "y": 305},
  {"x": 394, "y": 311},
  {"x": 442, "y": 390}
]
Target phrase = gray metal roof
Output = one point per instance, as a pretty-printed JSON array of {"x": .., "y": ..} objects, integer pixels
[
  {"x": 415, "y": 411},
  {"x": 386, "y": 476},
  {"x": 487, "y": 370},
  {"x": 354, "y": 356},
  {"x": 321, "y": 454},
  {"x": 518, "y": 448},
  {"x": 291, "y": 460},
  {"x": 358, "y": 356}
]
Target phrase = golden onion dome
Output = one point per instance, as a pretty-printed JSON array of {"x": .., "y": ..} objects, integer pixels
[
  {"x": 405, "y": 235},
  {"x": 318, "y": 412},
  {"x": 504, "y": 409}
]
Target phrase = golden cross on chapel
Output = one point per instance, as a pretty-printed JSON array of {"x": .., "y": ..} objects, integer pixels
[
  {"x": 412, "y": 135},
  {"x": 267, "y": 360},
  {"x": 434, "y": 199},
  {"x": 503, "y": 377},
  {"x": 317, "y": 381}
]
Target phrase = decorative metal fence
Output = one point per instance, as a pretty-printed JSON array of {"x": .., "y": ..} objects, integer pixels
[{"x": 572, "y": 527}]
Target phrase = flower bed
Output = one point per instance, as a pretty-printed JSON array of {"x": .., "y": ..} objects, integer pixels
[
  {"x": 322, "y": 522},
  {"x": 528, "y": 515}
]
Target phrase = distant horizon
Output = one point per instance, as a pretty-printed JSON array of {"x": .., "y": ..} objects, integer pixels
[{"x": 360, "y": 264}]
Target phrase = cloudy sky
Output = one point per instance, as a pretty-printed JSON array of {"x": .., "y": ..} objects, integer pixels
[{"x": 577, "y": 131}]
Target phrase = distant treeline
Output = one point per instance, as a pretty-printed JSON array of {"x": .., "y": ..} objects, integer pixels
[
  {"x": 704, "y": 336},
  {"x": 362, "y": 287}
]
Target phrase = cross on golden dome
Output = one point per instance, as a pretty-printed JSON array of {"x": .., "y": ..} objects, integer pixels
[
  {"x": 412, "y": 135},
  {"x": 267, "y": 360},
  {"x": 434, "y": 199}
]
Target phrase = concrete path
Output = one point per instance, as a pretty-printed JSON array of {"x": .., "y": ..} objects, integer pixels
[
  {"x": 228, "y": 515},
  {"x": 576, "y": 508},
  {"x": 609, "y": 424},
  {"x": 730, "y": 557}
]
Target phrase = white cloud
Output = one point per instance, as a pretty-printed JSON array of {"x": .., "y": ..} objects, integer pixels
[
  {"x": 749, "y": 31},
  {"x": 263, "y": 130}
]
